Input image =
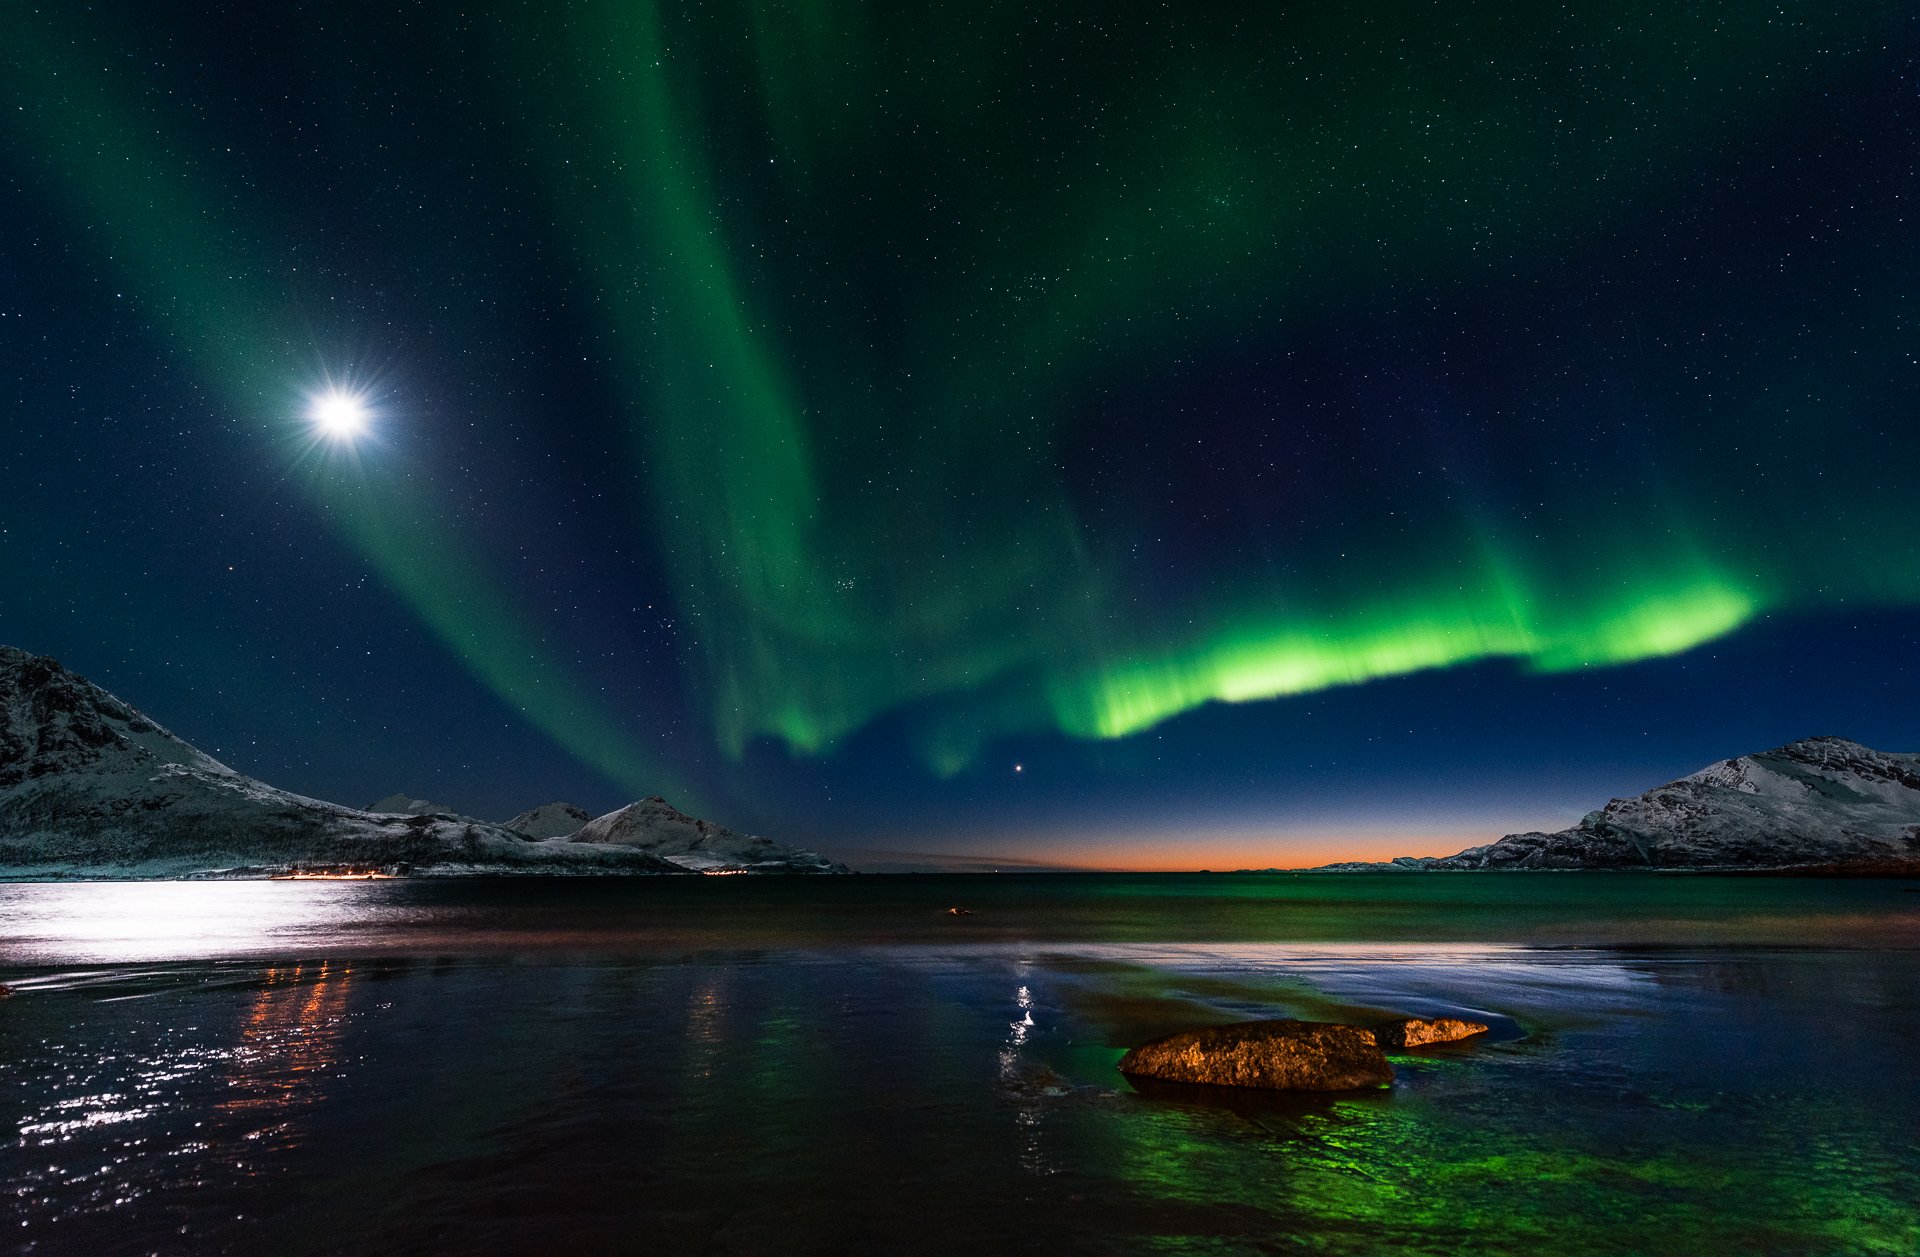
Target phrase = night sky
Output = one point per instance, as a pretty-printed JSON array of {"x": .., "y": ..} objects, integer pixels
[{"x": 1146, "y": 435}]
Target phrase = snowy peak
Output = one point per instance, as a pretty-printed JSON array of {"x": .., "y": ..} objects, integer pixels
[
  {"x": 1864, "y": 770},
  {"x": 90, "y": 787},
  {"x": 1822, "y": 800},
  {"x": 655, "y": 822},
  {"x": 1809, "y": 790},
  {"x": 1796, "y": 766},
  {"x": 654, "y": 825},
  {"x": 550, "y": 820},
  {"x": 402, "y": 805}
]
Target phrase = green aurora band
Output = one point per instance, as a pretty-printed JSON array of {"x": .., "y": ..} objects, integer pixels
[
  {"x": 875, "y": 273},
  {"x": 855, "y": 451}
]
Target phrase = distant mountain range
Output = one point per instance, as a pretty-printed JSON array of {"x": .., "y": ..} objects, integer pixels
[
  {"x": 1816, "y": 802},
  {"x": 90, "y": 787}
]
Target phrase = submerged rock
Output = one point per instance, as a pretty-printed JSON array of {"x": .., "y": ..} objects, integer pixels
[
  {"x": 1273, "y": 1055},
  {"x": 1419, "y": 1031}
]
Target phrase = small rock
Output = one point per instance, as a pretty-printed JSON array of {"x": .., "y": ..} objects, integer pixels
[
  {"x": 1419, "y": 1031},
  {"x": 1274, "y": 1055},
  {"x": 1034, "y": 1082}
]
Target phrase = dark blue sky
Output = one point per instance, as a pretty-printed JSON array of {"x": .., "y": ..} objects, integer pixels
[{"x": 1506, "y": 412}]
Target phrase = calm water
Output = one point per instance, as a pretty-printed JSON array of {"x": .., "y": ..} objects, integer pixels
[{"x": 732, "y": 1065}]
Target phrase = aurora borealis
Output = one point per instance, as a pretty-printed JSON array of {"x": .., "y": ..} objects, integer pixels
[{"x": 1260, "y": 420}]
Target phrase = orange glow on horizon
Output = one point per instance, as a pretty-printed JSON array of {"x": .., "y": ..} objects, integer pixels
[
  {"x": 1218, "y": 852},
  {"x": 1226, "y": 854}
]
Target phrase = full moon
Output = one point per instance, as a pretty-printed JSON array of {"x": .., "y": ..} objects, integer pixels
[{"x": 341, "y": 416}]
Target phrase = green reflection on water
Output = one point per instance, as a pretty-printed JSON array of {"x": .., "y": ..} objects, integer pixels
[
  {"x": 1398, "y": 1176},
  {"x": 1583, "y": 1141}
]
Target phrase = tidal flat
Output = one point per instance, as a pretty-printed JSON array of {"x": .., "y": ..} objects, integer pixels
[{"x": 741, "y": 1065}]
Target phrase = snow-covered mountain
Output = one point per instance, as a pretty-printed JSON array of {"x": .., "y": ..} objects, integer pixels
[
  {"x": 550, "y": 820},
  {"x": 402, "y": 805},
  {"x": 1813, "y": 802},
  {"x": 90, "y": 788},
  {"x": 656, "y": 826}
]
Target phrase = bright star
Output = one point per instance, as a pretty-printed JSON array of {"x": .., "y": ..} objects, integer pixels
[{"x": 338, "y": 415}]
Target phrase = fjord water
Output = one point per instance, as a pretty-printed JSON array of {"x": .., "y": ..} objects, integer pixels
[{"x": 738, "y": 1065}]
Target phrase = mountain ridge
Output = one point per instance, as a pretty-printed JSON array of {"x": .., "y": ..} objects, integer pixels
[
  {"x": 403, "y": 805},
  {"x": 653, "y": 824},
  {"x": 550, "y": 820},
  {"x": 90, "y": 787},
  {"x": 1817, "y": 801}
]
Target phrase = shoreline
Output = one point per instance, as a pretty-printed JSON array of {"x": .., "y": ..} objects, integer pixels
[{"x": 1864, "y": 871}]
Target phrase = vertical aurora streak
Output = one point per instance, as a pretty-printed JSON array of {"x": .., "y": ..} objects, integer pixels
[
  {"x": 993, "y": 372},
  {"x": 233, "y": 310},
  {"x": 857, "y": 466}
]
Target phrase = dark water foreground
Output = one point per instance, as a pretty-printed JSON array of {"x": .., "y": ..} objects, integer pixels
[{"x": 1680, "y": 1065}]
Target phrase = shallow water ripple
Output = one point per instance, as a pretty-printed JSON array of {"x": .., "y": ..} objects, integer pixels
[{"x": 806, "y": 1096}]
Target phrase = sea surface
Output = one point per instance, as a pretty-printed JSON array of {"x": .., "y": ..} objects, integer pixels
[{"x": 1693, "y": 1065}]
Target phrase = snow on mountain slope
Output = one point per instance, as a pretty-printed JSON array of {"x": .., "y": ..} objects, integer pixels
[
  {"x": 89, "y": 787},
  {"x": 550, "y": 820},
  {"x": 657, "y": 826},
  {"x": 402, "y": 805},
  {"x": 1816, "y": 801}
]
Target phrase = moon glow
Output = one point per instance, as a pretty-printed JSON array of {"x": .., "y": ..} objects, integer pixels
[{"x": 338, "y": 415}]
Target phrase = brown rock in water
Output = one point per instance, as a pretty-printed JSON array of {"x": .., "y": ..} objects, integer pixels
[
  {"x": 1419, "y": 1031},
  {"x": 1274, "y": 1055}
]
